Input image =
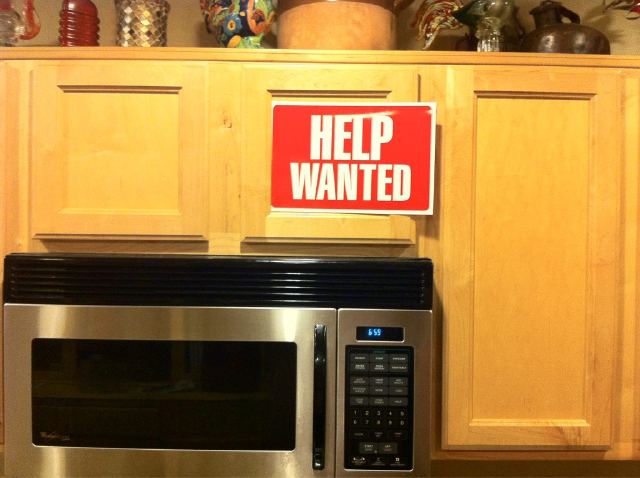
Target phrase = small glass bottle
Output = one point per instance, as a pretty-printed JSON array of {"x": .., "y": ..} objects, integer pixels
[
  {"x": 11, "y": 24},
  {"x": 489, "y": 35}
]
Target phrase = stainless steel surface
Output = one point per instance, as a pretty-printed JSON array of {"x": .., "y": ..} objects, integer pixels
[
  {"x": 23, "y": 323},
  {"x": 418, "y": 334}
]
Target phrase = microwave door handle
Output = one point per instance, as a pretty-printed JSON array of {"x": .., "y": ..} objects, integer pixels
[{"x": 319, "y": 395}]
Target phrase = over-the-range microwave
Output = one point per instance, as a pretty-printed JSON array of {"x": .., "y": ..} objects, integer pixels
[{"x": 203, "y": 366}]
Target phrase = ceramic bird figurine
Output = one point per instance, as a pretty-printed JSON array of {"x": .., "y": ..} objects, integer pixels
[
  {"x": 434, "y": 15},
  {"x": 477, "y": 10}
]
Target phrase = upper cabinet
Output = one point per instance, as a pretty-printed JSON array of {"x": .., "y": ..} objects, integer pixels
[
  {"x": 531, "y": 242},
  {"x": 314, "y": 83},
  {"x": 119, "y": 151},
  {"x": 170, "y": 152}
]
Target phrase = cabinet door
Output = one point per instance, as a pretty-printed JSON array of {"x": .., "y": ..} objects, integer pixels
[
  {"x": 531, "y": 247},
  {"x": 629, "y": 377},
  {"x": 318, "y": 83},
  {"x": 119, "y": 151}
]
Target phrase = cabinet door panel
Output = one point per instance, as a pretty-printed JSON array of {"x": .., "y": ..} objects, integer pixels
[
  {"x": 629, "y": 379},
  {"x": 531, "y": 258},
  {"x": 317, "y": 83},
  {"x": 119, "y": 150}
]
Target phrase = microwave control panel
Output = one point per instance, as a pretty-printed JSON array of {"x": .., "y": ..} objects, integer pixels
[{"x": 379, "y": 408}]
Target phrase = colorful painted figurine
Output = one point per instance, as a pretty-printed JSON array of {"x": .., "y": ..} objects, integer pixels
[{"x": 238, "y": 23}]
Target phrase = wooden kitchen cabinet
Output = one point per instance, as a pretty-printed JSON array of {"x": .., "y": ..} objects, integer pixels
[
  {"x": 534, "y": 237},
  {"x": 137, "y": 153},
  {"x": 531, "y": 257},
  {"x": 119, "y": 151},
  {"x": 315, "y": 83},
  {"x": 629, "y": 376}
]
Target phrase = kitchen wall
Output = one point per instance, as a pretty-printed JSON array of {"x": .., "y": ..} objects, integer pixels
[{"x": 186, "y": 28}]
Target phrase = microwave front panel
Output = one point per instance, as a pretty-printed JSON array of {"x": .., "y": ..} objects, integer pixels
[
  {"x": 158, "y": 391},
  {"x": 384, "y": 374}
]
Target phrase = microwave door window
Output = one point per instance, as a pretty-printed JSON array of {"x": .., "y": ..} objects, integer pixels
[{"x": 195, "y": 395}]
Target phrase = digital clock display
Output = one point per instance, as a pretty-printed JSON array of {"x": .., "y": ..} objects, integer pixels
[{"x": 386, "y": 334}]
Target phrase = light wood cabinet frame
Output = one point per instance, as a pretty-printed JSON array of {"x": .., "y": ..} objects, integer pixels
[
  {"x": 322, "y": 83},
  {"x": 119, "y": 151},
  {"x": 532, "y": 277}
]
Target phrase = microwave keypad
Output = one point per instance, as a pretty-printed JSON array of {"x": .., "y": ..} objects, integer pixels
[{"x": 379, "y": 408}]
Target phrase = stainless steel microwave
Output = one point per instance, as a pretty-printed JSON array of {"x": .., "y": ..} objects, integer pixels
[{"x": 173, "y": 366}]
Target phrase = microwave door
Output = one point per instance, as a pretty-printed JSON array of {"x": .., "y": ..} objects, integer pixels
[{"x": 169, "y": 391}]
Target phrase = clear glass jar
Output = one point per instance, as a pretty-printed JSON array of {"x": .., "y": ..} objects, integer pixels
[
  {"x": 489, "y": 35},
  {"x": 493, "y": 23},
  {"x": 11, "y": 24}
]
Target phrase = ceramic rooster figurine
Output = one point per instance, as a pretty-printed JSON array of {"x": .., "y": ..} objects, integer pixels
[
  {"x": 632, "y": 7},
  {"x": 434, "y": 15}
]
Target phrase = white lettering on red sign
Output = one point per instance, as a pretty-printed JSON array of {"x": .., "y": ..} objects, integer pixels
[
  {"x": 315, "y": 181},
  {"x": 371, "y": 158},
  {"x": 329, "y": 136},
  {"x": 328, "y": 130}
]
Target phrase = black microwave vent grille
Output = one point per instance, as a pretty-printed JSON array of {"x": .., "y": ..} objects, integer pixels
[{"x": 172, "y": 280}]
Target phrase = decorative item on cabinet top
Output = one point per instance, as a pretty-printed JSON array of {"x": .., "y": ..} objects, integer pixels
[
  {"x": 16, "y": 26},
  {"x": 632, "y": 7},
  {"x": 142, "y": 22},
  {"x": 238, "y": 23},
  {"x": 79, "y": 23},
  {"x": 434, "y": 15},
  {"x": 552, "y": 35},
  {"x": 338, "y": 25},
  {"x": 493, "y": 24}
]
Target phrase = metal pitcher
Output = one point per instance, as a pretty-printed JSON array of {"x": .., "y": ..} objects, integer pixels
[{"x": 553, "y": 35}]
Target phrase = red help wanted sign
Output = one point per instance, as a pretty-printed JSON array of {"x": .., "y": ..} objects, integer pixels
[{"x": 375, "y": 158}]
